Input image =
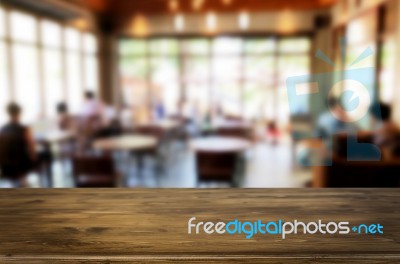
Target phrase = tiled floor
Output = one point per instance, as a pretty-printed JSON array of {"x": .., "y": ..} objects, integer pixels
[{"x": 267, "y": 166}]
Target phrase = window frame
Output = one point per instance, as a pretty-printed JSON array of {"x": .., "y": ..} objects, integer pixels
[
  {"x": 185, "y": 56},
  {"x": 40, "y": 48}
]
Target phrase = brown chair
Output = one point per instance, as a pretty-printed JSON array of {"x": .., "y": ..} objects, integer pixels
[
  {"x": 395, "y": 147},
  {"x": 94, "y": 172},
  {"x": 357, "y": 174},
  {"x": 216, "y": 167},
  {"x": 345, "y": 173},
  {"x": 13, "y": 159},
  {"x": 233, "y": 118},
  {"x": 87, "y": 128},
  {"x": 238, "y": 132},
  {"x": 158, "y": 153},
  {"x": 150, "y": 130}
]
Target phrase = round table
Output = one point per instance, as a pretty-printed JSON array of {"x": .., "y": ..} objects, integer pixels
[
  {"x": 54, "y": 136},
  {"x": 220, "y": 144},
  {"x": 45, "y": 140},
  {"x": 165, "y": 125},
  {"x": 133, "y": 143},
  {"x": 126, "y": 142}
]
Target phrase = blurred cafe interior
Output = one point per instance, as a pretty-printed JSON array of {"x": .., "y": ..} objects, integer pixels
[{"x": 197, "y": 93}]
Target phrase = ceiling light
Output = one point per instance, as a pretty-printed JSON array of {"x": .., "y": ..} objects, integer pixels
[
  {"x": 139, "y": 26},
  {"x": 211, "y": 21},
  {"x": 227, "y": 2},
  {"x": 244, "y": 20},
  {"x": 179, "y": 23},
  {"x": 197, "y": 4},
  {"x": 173, "y": 5}
]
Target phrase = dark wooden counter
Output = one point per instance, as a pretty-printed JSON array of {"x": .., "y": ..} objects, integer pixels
[{"x": 120, "y": 225}]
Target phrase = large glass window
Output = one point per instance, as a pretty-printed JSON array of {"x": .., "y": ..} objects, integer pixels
[
  {"x": 134, "y": 73},
  {"x": 165, "y": 81},
  {"x": 50, "y": 64},
  {"x": 196, "y": 81},
  {"x": 23, "y": 27},
  {"x": 91, "y": 64},
  {"x": 51, "y": 34},
  {"x": 150, "y": 73},
  {"x": 4, "y": 82},
  {"x": 26, "y": 80},
  {"x": 2, "y": 23},
  {"x": 259, "y": 78},
  {"x": 53, "y": 80},
  {"x": 387, "y": 71},
  {"x": 289, "y": 66},
  {"x": 241, "y": 76},
  {"x": 82, "y": 69},
  {"x": 74, "y": 82},
  {"x": 360, "y": 36},
  {"x": 26, "y": 64}
]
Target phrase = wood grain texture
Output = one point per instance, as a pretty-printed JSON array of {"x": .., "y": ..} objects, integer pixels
[{"x": 122, "y": 225}]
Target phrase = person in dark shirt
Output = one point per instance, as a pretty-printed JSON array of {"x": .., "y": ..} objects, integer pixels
[
  {"x": 17, "y": 146},
  {"x": 386, "y": 132}
]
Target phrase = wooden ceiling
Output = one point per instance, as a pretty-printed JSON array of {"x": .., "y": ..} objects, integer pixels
[
  {"x": 113, "y": 14},
  {"x": 120, "y": 8}
]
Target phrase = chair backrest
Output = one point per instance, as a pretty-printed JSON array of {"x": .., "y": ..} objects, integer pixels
[
  {"x": 14, "y": 157},
  {"x": 239, "y": 132},
  {"x": 395, "y": 148},
  {"x": 233, "y": 118},
  {"x": 93, "y": 165},
  {"x": 89, "y": 125},
  {"x": 150, "y": 130},
  {"x": 214, "y": 166},
  {"x": 348, "y": 174}
]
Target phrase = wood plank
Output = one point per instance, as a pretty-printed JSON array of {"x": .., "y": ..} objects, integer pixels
[{"x": 117, "y": 225}]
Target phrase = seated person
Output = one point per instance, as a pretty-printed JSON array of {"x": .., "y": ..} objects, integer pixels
[
  {"x": 17, "y": 147},
  {"x": 65, "y": 121},
  {"x": 386, "y": 132},
  {"x": 92, "y": 115},
  {"x": 332, "y": 122},
  {"x": 114, "y": 128},
  {"x": 92, "y": 107}
]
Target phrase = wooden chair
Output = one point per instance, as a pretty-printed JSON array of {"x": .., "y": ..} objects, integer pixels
[
  {"x": 233, "y": 118},
  {"x": 345, "y": 173},
  {"x": 159, "y": 153},
  {"x": 12, "y": 160},
  {"x": 94, "y": 172},
  {"x": 238, "y": 132},
  {"x": 216, "y": 167},
  {"x": 395, "y": 147},
  {"x": 150, "y": 130}
]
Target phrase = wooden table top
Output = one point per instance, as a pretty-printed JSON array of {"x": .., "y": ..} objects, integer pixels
[
  {"x": 230, "y": 124},
  {"x": 142, "y": 225},
  {"x": 125, "y": 142},
  {"x": 219, "y": 144},
  {"x": 54, "y": 136},
  {"x": 165, "y": 124}
]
